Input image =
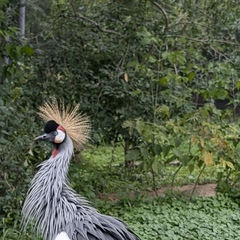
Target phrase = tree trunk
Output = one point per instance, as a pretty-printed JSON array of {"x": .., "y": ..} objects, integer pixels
[{"x": 22, "y": 10}]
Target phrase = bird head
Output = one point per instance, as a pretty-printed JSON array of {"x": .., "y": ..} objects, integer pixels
[
  {"x": 53, "y": 132},
  {"x": 62, "y": 119}
]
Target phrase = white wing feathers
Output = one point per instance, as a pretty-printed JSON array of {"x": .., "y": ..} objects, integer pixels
[{"x": 62, "y": 236}]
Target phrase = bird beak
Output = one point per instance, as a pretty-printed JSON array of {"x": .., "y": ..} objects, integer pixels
[{"x": 45, "y": 137}]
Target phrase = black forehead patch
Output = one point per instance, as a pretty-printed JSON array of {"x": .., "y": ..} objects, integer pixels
[{"x": 51, "y": 126}]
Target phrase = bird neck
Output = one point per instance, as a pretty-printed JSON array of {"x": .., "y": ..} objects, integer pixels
[
  {"x": 47, "y": 187},
  {"x": 55, "y": 169}
]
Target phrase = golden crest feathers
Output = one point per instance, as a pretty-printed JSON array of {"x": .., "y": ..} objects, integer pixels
[{"x": 77, "y": 125}]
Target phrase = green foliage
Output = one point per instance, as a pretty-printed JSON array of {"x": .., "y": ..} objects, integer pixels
[
  {"x": 141, "y": 70},
  {"x": 17, "y": 125},
  {"x": 196, "y": 140}
]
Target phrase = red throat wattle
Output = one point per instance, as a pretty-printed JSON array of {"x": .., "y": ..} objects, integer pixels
[{"x": 54, "y": 152}]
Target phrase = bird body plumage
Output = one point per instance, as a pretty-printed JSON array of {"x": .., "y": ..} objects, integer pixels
[{"x": 55, "y": 207}]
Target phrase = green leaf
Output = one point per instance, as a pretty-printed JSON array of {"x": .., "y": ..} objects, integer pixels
[
  {"x": 191, "y": 167},
  {"x": 230, "y": 165},
  {"x": 221, "y": 94},
  {"x": 163, "y": 81},
  {"x": 238, "y": 84},
  {"x": 3, "y": 141},
  {"x": 132, "y": 155},
  {"x": 178, "y": 153},
  {"x": 177, "y": 142},
  {"x": 166, "y": 149},
  {"x": 155, "y": 165},
  {"x": 5, "y": 132},
  {"x": 191, "y": 76},
  {"x": 29, "y": 51},
  {"x": 144, "y": 152},
  {"x": 157, "y": 149}
]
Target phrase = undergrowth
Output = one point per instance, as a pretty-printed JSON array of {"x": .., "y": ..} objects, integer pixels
[
  {"x": 179, "y": 218},
  {"x": 100, "y": 170},
  {"x": 171, "y": 217}
]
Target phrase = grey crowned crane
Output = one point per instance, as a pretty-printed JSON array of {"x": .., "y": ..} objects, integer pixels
[{"x": 57, "y": 211}]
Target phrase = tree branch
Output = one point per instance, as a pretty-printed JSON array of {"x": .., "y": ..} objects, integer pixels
[
  {"x": 80, "y": 16},
  {"x": 188, "y": 23},
  {"x": 221, "y": 55},
  {"x": 178, "y": 21},
  {"x": 122, "y": 60},
  {"x": 6, "y": 181},
  {"x": 98, "y": 26},
  {"x": 44, "y": 30},
  {"x": 204, "y": 40},
  {"x": 164, "y": 14}
]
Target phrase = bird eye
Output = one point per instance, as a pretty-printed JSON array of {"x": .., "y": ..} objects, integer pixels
[{"x": 55, "y": 133}]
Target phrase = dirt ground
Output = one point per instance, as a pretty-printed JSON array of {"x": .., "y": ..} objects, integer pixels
[{"x": 205, "y": 190}]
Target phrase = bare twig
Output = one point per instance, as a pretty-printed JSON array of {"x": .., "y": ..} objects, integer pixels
[
  {"x": 164, "y": 14},
  {"x": 80, "y": 16},
  {"x": 73, "y": 8},
  {"x": 122, "y": 60},
  {"x": 175, "y": 68},
  {"x": 44, "y": 30},
  {"x": 97, "y": 25},
  {"x": 203, "y": 40},
  {"x": 188, "y": 23},
  {"x": 6, "y": 181},
  {"x": 221, "y": 54},
  {"x": 76, "y": 15},
  {"x": 197, "y": 180},
  {"x": 175, "y": 174},
  {"x": 178, "y": 21}
]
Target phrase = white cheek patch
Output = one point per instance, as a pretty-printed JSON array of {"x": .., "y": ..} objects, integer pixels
[{"x": 59, "y": 137}]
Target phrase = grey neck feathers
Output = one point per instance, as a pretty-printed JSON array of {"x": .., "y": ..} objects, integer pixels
[{"x": 50, "y": 201}]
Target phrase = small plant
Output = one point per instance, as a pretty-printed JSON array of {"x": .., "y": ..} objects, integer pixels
[{"x": 165, "y": 218}]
